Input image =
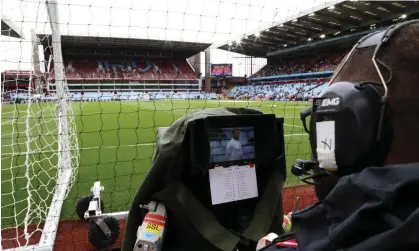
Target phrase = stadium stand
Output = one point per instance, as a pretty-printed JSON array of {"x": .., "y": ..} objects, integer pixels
[
  {"x": 116, "y": 69},
  {"x": 319, "y": 63},
  {"x": 285, "y": 79},
  {"x": 125, "y": 69},
  {"x": 295, "y": 79},
  {"x": 15, "y": 84},
  {"x": 283, "y": 92},
  {"x": 15, "y": 79}
]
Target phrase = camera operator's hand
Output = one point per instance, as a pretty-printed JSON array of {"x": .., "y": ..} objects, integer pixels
[{"x": 265, "y": 241}]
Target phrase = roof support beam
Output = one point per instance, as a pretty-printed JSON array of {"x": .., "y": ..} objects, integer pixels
[
  {"x": 308, "y": 32},
  {"x": 284, "y": 35},
  {"x": 333, "y": 17},
  {"x": 258, "y": 40},
  {"x": 386, "y": 6},
  {"x": 359, "y": 13},
  {"x": 325, "y": 29},
  {"x": 268, "y": 43},
  {"x": 273, "y": 37},
  {"x": 253, "y": 45}
]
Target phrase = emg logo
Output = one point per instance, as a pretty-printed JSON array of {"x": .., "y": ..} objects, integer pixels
[{"x": 330, "y": 102}]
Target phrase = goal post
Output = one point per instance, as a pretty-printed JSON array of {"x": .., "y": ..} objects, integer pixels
[
  {"x": 64, "y": 114},
  {"x": 46, "y": 157}
]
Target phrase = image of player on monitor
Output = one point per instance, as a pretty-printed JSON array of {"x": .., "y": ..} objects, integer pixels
[
  {"x": 234, "y": 147},
  {"x": 232, "y": 144}
]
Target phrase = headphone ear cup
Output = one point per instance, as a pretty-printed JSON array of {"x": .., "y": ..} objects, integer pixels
[
  {"x": 384, "y": 136},
  {"x": 357, "y": 123},
  {"x": 382, "y": 143}
]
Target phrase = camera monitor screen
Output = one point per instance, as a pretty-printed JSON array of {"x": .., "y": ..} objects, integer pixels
[{"x": 231, "y": 144}]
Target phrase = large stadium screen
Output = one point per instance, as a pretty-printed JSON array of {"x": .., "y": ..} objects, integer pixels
[{"x": 222, "y": 70}]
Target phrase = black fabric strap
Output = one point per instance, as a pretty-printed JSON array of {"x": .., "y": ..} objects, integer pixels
[
  {"x": 269, "y": 209},
  {"x": 180, "y": 201}
]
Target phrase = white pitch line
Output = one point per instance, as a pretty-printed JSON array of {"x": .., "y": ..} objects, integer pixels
[
  {"x": 296, "y": 134},
  {"x": 141, "y": 144},
  {"x": 293, "y": 125},
  {"x": 121, "y": 146},
  {"x": 83, "y": 148}
]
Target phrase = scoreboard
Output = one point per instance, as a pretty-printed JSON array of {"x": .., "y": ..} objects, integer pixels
[{"x": 221, "y": 70}]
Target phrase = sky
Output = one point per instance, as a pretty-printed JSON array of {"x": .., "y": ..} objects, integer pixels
[{"x": 209, "y": 21}]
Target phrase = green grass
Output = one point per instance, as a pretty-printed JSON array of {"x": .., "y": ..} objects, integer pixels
[{"x": 116, "y": 144}]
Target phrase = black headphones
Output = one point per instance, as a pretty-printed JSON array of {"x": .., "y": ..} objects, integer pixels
[{"x": 349, "y": 126}]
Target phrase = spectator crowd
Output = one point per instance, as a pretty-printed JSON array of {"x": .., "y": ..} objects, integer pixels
[
  {"x": 319, "y": 63},
  {"x": 296, "y": 91},
  {"x": 128, "y": 69},
  {"x": 288, "y": 88}
]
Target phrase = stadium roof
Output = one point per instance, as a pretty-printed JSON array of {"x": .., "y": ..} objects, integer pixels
[
  {"x": 326, "y": 21},
  {"x": 8, "y": 28},
  {"x": 189, "y": 48}
]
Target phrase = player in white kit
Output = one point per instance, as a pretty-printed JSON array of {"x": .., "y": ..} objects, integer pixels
[{"x": 234, "y": 147}]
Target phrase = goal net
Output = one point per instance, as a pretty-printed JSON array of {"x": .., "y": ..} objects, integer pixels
[{"x": 39, "y": 144}]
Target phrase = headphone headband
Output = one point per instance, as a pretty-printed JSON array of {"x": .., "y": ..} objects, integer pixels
[
  {"x": 381, "y": 36},
  {"x": 350, "y": 128},
  {"x": 371, "y": 39}
]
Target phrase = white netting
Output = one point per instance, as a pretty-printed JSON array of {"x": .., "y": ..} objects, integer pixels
[
  {"x": 33, "y": 166},
  {"x": 30, "y": 145},
  {"x": 39, "y": 144}
]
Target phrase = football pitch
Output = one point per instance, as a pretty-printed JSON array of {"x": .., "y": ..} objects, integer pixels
[{"x": 116, "y": 141}]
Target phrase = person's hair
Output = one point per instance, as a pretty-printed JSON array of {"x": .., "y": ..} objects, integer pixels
[{"x": 401, "y": 55}]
